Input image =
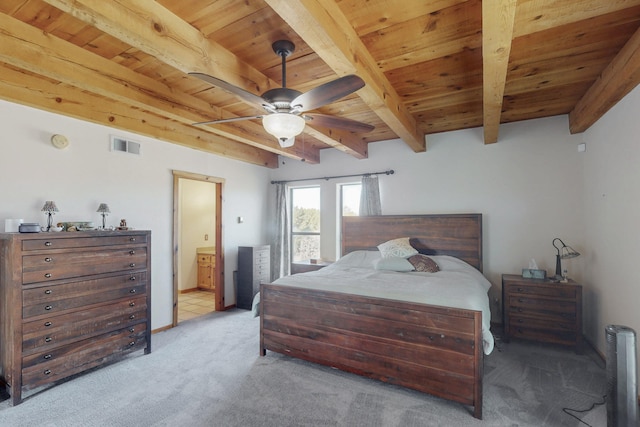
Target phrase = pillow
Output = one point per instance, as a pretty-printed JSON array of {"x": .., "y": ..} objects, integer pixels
[
  {"x": 423, "y": 263},
  {"x": 394, "y": 263},
  {"x": 397, "y": 247},
  {"x": 358, "y": 259}
]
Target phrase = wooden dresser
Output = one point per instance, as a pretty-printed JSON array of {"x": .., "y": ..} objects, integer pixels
[
  {"x": 541, "y": 310},
  {"x": 254, "y": 267},
  {"x": 71, "y": 301}
]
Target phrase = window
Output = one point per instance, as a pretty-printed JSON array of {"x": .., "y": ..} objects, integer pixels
[
  {"x": 350, "y": 199},
  {"x": 305, "y": 223}
]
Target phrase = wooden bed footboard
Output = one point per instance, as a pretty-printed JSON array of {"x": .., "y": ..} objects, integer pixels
[{"x": 436, "y": 350}]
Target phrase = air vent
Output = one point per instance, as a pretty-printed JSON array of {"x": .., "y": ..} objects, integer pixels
[{"x": 124, "y": 145}]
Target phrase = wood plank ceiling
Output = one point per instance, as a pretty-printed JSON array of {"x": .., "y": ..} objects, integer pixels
[{"x": 429, "y": 66}]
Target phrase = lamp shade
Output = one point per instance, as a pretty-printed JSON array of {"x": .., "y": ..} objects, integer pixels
[
  {"x": 49, "y": 206},
  {"x": 284, "y": 126},
  {"x": 103, "y": 208}
]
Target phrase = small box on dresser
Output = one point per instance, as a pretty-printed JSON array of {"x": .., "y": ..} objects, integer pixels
[
  {"x": 542, "y": 310},
  {"x": 69, "y": 302}
]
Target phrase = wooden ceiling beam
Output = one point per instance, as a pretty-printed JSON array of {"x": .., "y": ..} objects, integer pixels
[
  {"x": 148, "y": 26},
  {"x": 26, "y": 47},
  {"x": 497, "y": 32},
  {"x": 46, "y": 94},
  {"x": 323, "y": 26},
  {"x": 619, "y": 78}
]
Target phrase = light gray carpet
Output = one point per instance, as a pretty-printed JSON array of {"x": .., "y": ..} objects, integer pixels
[{"x": 207, "y": 372}]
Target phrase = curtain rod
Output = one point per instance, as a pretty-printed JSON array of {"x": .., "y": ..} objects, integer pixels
[{"x": 326, "y": 178}]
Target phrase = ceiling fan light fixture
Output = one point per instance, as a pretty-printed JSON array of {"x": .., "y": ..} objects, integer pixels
[{"x": 284, "y": 126}]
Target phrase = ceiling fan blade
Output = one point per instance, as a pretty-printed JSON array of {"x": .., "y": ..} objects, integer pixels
[
  {"x": 324, "y": 120},
  {"x": 233, "y": 119},
  {"x": 328, "y": 92},
  {"x": 235, "y": 90}
]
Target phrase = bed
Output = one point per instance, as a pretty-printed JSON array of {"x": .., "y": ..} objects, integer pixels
[{"x": 333, "y": 318}]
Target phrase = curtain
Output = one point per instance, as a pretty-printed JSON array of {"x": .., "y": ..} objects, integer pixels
[
  {"x": 370, "y": 196},
  {"x": 280, "y": 264}
]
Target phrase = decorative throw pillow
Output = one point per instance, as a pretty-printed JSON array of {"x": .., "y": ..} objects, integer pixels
[
  {"x": 423, "y": 263},
  {"x": 397, "y": 247},
  {"x": 394, "y": 263}
]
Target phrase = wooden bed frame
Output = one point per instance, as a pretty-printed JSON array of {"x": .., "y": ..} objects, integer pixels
[{"x": 437, "y": 350}]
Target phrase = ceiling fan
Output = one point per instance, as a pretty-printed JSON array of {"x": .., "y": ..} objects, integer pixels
[{"x": 284, "y": 107}]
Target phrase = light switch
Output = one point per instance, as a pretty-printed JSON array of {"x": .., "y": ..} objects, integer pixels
[{"x": 240, "y": 220}]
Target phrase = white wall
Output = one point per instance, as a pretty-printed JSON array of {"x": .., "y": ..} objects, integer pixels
[
  {"x": 136, "y": 188},
  {"x": 612, "y": 214},
  {"x": 528, "y": 186}
]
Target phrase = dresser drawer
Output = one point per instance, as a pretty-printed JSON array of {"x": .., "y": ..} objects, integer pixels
[
  {"x": 554, "y": 291},
  {"x": 54, "y": 331},
  {"x": 59, "y": 363},
  {"x": 545, "y": 335},
  {"x": 543, "y": 323},
  {"x": 206, "y": 259},
  {"x": 61, "y": 290},
  {"x": 63, "y": 265},
  {"x": 554, "y": 310},
  {"x": 74, "y": 300},
  {"x": 82, "y": 242}
]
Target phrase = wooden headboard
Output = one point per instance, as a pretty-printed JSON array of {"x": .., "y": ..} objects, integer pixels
[{"x": 458, "y": 235}]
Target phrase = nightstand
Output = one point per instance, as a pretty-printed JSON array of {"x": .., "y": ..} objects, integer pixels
[
  {"x": 541, "y": 310},
  {"x": 305, "y": 266}
]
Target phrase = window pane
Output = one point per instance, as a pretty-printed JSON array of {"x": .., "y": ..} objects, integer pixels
[
  {"x": 305, "y": 247},
  {"x": 306, "y": 210},
  {"x": 351, "y": 199}
]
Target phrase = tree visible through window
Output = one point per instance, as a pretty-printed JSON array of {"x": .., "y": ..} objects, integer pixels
[
  {"x": 305, "y": 223},
  {"x": 350, "y": 199}
]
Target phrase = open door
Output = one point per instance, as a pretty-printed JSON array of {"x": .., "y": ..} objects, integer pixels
[{"x": 184, "y": 254}]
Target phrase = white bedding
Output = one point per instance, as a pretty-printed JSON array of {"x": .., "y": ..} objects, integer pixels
[{"x": 457, "y": 284}]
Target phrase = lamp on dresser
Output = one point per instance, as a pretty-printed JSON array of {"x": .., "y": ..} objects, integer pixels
[
  {"x": 49, "y": 208},
  {"x": 104, "y": 211},
  {"x": 563, "y": 252}
]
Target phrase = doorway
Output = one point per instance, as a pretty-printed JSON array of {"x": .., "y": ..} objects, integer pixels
[{"x": 198, "y": 254}]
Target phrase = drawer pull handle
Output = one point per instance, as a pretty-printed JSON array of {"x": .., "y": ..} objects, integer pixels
[
  {"x": 47, "y": 372},
  {"x": 133, "y": 316},
  {"x": 48, "y": 259},
  {"x": 47, "y": 356},
  {"x": 133, "y": 264},
  {"x": 520, "y": 300},
  {"x": 47, "y": 275},
  {"x": 132, "y": 304},
  {"x": 47, "y": 323},
  {"x": 519, "y": 310},
  {"x": 132, "y": 252},
  {"x": 132, "y": 343},
  {"x": 48, "y": 307},
  {"x": 47, "y": 243},
  {"x": 132, "y": 239},
  {"x": 132, "y": 278},
  {"x": 132, "y": 329},
  {"x": 132, "y": 291},
  {"x": 48, "y": 292},
  {"x": 48, "y": 339},
  {"x": 520, "y": 321},
  {"x": 520, "y": 289}
]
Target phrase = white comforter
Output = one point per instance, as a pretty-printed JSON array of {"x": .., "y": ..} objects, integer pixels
[{"x": 457, "y": 284}]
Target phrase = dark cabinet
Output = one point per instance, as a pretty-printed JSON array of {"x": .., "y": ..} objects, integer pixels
[
  {"x": 542, "y": 311},
  {"x": 70, "y": 302},
  {"x": 254, "y": 267}
]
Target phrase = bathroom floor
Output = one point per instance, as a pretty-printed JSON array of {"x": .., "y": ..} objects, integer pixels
[{"x": 194, "y": 304}]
